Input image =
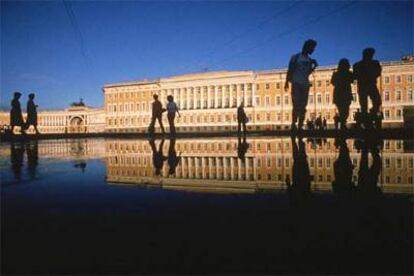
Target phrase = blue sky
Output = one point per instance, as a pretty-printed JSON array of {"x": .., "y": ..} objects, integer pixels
[{"x": 64, "y": 50}]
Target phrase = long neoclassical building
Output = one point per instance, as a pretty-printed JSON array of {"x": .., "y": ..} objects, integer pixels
[{"x": 208, "y": 101}]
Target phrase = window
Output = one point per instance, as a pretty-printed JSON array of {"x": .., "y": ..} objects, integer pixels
[
  {"x": 409, "y": 78},
  {"x": 399, "y": 114},
  {"x": 310, "y": 99},
  {"x": 267, "y": 100},
  {"x": 327, "y": 82},
  {"x": 398, "y": 79},
  {"x": 286, "y": 99},
  {"x": 278, "y": 85},
  {"x": 327, "y": 98},
  {"x": 410, "y": 95},
  {"x": 386, "y": 79},
  {"x": 267, "y": 86},
  {"x": 386, "y": 96},
  {"x": 278, "y": 100},
  {"x": 257, "y": 101},
  {"x": 268, "y": 116},
  {"x": 319, "y": 98},
  {"x": 387, "y": 114},
  {"x": 319, "y": 83},
  {"x": 398, "y": 95}
]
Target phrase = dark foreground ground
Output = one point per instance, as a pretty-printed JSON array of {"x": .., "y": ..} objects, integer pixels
[{"x": 106, "y": 229}]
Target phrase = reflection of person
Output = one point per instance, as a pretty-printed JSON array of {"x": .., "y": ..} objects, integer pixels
[
  {"x": 241, "y": 118},
  {"x": 16, "y": 158},
  {"x": 158, "y": 158},
  {"x": 31, "y": 113},
  {"x": 242, "y": 147},
  {"x": 299, "y": 191},
  {"x": 300, "y": 67},
  {"x": 343, "y": 170},
  {"x": 172, "y": 108},
  {"x": 32, "y": 158},
  {"x": 342, "y": 80},
  {"x": 173, "y": 160},
  {"x": 368, "y": 175},
  {"x": 81, "y": 165},
  {"x": 366, "y": 72},
  {"x": 16, "y": 117},
  {"x": 157, "y": 111}
]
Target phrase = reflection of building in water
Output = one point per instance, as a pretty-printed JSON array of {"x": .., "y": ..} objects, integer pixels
[
  {"x": 213, "y": 165},
  {"x": 208, "y": 101},
  {"x": 70, "y": 149}
]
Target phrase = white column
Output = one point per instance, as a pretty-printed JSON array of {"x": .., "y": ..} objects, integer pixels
[
  {"x": 245, "y": 94},
  {"x": 238, "y": 94},
  {"x": 188, "y": 98},
  {"x": 181, "y": 98},
  {"x": 223, "y": 93},
  {"x": 202, "y": 97},
  {"x": 215, "y": 96},
  {"x": 231, "y": 95}
]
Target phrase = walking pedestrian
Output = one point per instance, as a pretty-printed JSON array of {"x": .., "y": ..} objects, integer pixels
[
  {"x": 172, "y": 108},
  {"x": 366, "y": 73},
  {"x": 300, "y": 67},
  {"x": 31, "y": 113},
  {"x": 16, "y": 117}
]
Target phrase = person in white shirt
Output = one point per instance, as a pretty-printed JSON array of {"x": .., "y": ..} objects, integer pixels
[
  {"x": 300, "y": 67},
  {"x": 172, "y": 108}
]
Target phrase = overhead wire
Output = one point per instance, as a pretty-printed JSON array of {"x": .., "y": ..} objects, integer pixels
[
  {"x": 279, "y": 13},
  {"x": 78, "y": 33},
  {"x": 289, "y": 31}
]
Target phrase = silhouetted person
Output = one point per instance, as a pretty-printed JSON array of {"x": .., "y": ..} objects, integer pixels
[
  {"x": 32, "y": 158},
  {"x": 358, "y": 118},
  {"x": 16, "y": 116},
  {"x": 16, "y": 156},
  {"x": 309, "y": 124},
  {"x": 336, "y": 120},
  {"x": 242, "y": 147},
  {"x": 299, "y": 191},
  {"x": 31, "y": 113},
  {"x": 173, "y": 160},
  {"x": 366, "y": 73},
  {"x": 368, "y": 175},
  {"x": 343, "y": 168},
  {"x": 300, "y": 67},
  {"x": 324, "y": 123},
  {"x": 241, "y": 119},
  {"x": 172, "y": 108},
  {"x": 342, "y": 80},
  {"x": 158, "y": 158},
  {"x": 157, "y": 111},
  {"x": 318, "y": 123}
]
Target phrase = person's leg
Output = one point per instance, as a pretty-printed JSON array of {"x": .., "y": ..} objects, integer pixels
[
  {"x": 376, "y": 99},
  {"x": 303, "y": 101},
  {"x": 244, "y": 127},
  {"x": 239, "y": 126},
  {"x": 161, "y": 125},
  {"x": 151, "y": 127},
  {"x": 295, "y": 102},
  {"x": 37, "y": 131}
]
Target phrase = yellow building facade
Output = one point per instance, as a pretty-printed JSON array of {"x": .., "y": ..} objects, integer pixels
[{"x": 208, "y": 101}]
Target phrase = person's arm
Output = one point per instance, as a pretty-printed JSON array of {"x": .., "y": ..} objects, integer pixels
[
  {"x": 379, "y": 69},
  {"x": 314, "y": 64},
  {"x": 177, "y": 108},
  {"x": 333, "y": 79},
  {"x": 290, "y": 71}
]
